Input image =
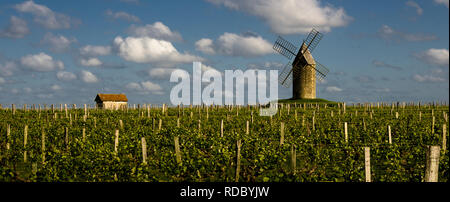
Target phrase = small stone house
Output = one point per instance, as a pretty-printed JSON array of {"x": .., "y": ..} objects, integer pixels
[{"x": 111, "y": 101}]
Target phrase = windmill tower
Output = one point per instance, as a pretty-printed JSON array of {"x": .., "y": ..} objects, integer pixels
[{"x": 302, "y": 71}]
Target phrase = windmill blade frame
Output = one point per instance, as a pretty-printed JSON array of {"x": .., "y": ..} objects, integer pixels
[
  {"x": 313, "y": 40},
  {"x": 321, "y": 70},
  {"x": 285, "y": 77},
  {"x": 285, "y": 48}
]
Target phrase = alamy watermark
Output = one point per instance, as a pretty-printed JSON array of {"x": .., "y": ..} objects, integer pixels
[{"x": 232, "y": 94}]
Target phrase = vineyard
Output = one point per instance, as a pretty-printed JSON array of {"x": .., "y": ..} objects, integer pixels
[{"x": 301, "y": 143}]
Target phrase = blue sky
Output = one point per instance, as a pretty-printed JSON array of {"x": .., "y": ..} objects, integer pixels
[{"x": 68, "y": 51}]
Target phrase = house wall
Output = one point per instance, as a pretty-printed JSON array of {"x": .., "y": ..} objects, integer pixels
[{"x": 112, "y": 105}]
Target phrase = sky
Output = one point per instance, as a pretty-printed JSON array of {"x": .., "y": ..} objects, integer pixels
[{"x": 55, "y": 52}]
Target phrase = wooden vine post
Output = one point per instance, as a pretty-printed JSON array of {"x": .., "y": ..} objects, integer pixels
[
  {"x": 367, "y": 163},
  {"x": 238, "y": 161},
  {"x": 84, "y": 134},
  {"x": 8, "y": 134},
  {"x": 313, "y": 124},
  {"x": 294, "y": 158},
  {"x": 247, "y": 131},
  {"x": 85, "y": 109},
  {"x": 43, "y": 145},
  {"x": 221, "y": 128},
  {"x": 144, "y": 150},
  {"x": 65, "y": 109},
  {"x": 25, "y": 139},
  {"x": 345, "y": 132},
  {"x": 177, "y": 149},
  {"x": 116, "y": 141},
  {"x": 432, "y": 166},
  {"x": 390, "y": 136},
  {"x": 282, "y": 133},
  {"x": 444, "y": 137}
]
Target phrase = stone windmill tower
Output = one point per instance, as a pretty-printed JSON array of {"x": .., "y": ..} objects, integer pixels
[{"x": 301, "y": 72}]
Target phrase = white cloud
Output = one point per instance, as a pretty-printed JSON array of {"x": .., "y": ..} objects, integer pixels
[
  {"x": 145, "y": 87},
  {"x": 156, "y": 30},
  {"x": 45, "y": 16},
  {"x": 388, "y": 33},
  {"x": 332, "y": 89},
  {"x": 378, "y": 63},
  {"x": 57, "y": 43},
  {"x": 164, "y": 73},
  {"x": 291, "y": 16},
  {"x": 8, "y": 68},
  {"x": 148, "y": 50},
  {"x": 428, "y": 78},
  {"x": 88, "y": 77},
  {"x": 160, "y": 73},
  {"x": 434, "y": 56},
  {"x": 66, "y": 76},
  {"x": 246, "y": 45},
  {"x": 17, "y": 28},
  {"x": 443, "y": 2},
  {"x": 206, "y": 46},
  {"x": 120, "y": 15},
  {"x": 133, "y": 86},
  {"x": 55, "y": 87},
  {"x": 413, "y": 4},
  {"x": 2, "y": 80},
  {"x": 41, "y": 62},
  {"x": 149, "y": 86},
  {"x": 90, "y": 62},
  {"x": 207, "y": 68},
  {"x": 90, "y": 50}
]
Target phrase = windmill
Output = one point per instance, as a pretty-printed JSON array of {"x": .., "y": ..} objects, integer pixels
[{"x": 302, "y": 71}]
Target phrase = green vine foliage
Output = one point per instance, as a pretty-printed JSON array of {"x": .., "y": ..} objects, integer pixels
[{"x": 322, "y": 154}]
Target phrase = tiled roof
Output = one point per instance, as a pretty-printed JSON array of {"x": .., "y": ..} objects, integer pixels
[{"x": 111, "y": 97}]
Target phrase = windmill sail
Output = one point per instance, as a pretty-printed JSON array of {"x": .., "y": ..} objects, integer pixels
[
  {"x": 313, "y": 40},
  {"x": 285, "y": 77},
  {"x": 285, "y": 48},
  {"x": 321, "y": 70}
]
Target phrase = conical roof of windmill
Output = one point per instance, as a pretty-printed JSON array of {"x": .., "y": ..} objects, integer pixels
[{"x": 307, "y": 55}]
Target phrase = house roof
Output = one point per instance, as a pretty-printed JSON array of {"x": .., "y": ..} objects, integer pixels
[{"x": 111, "y": 97}]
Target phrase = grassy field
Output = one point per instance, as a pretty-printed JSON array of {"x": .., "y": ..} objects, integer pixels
[
  {"x": 312, "y": 101},
  {"x": 301, "y": 143}
]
